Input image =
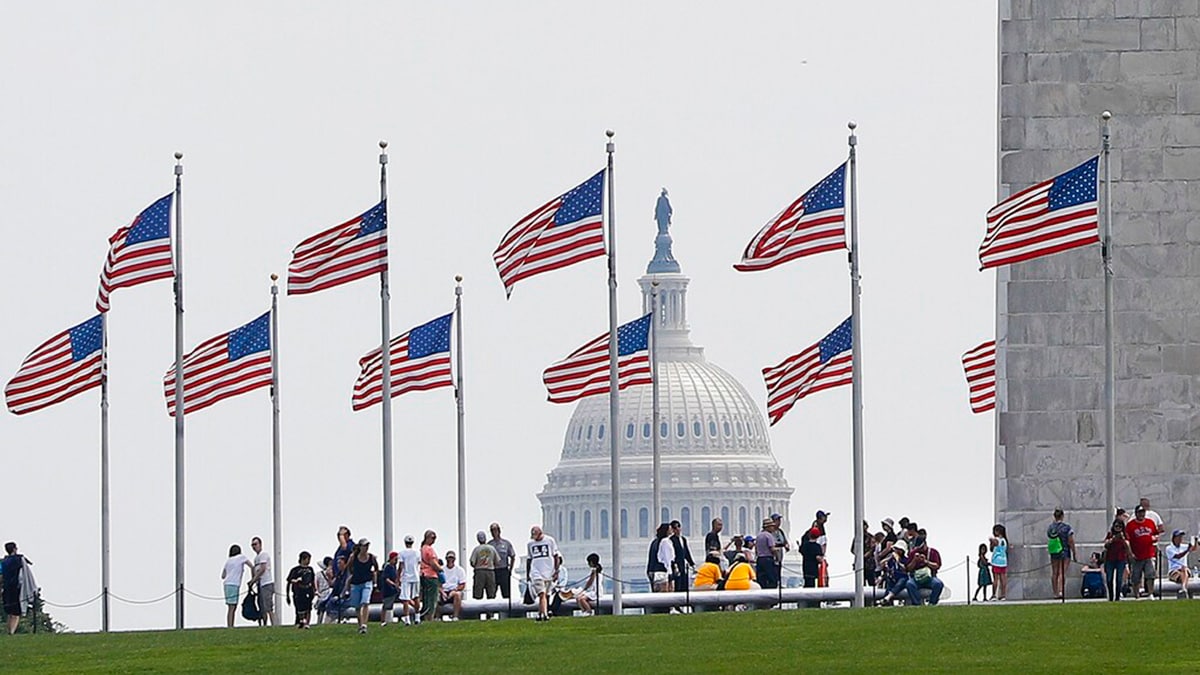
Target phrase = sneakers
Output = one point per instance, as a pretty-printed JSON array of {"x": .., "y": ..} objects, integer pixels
[{"x": 362, "y": 630}]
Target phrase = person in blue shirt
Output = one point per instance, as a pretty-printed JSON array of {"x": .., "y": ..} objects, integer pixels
[
  {"x": 893, "y": 567},
  {"x": 12, "y": 566}
]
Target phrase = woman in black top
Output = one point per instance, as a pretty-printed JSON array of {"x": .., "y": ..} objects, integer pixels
[{"x": 364, "y": 571}]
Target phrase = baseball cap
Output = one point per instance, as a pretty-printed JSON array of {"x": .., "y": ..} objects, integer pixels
[
  {"x": 1177, "y": 533},
  {"x": 776, "y": 516},
  {"x": 364, "y": 542},
  {"x": 823, "y": 514},
  {"x": 814, "y": 532},
  {"x": 408, "y": 539},
  {"x": 393, "y": 554},
  {"x": 1139, "y": 509},
  {"x": 451, "y": 554}
]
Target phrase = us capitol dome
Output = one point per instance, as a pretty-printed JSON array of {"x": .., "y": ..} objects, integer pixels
[{"x": 715, "y": 453}]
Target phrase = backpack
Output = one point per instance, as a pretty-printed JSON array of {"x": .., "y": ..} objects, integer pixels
[
  {"x": 1054, "y": 543},
  {"x": 250, "y": 610}
]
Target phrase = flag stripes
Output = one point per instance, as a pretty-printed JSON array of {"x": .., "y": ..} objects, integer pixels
[
  {"x": 814, "y": 223},
  {"x": 67, "y": 364},
  {"x": 585, "y": 372},
  {"x": 355, "y": 249},
  {"x": 139, "y": 252},
  {"x": 826, "y": 364},
  {"x": 420, "y": 362},
  {"x": 979, "y": 365},
  {"x": 227, "y": 365}
]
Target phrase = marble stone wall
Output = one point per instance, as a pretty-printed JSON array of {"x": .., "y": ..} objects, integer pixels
[{"x": 1063, "y": 62}]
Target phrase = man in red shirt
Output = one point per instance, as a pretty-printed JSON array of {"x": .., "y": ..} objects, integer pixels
[{"x": 1142, "y": 534}]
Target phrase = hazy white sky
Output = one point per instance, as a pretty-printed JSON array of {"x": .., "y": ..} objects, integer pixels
[{"x": 490, "y": 108}]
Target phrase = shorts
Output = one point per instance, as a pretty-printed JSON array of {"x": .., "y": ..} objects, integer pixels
[
  {"x": 410, "y": 590},
  {"x": 12, "y": 600},
  {"x": 659, "y": 577},
  {"x": 266, "y": 597},
  {"x": 1061, "y": 555},
  {"x": 360, "y": 594},
  {"x": 999, "y": 569},
  {"x": 539, "y": 586},
  {"x": 484, "y": 584},
  {"x": 231, "y": 594},
  {"x": 1138, "y": 568},
  {"x": 1175, "y": 575}
]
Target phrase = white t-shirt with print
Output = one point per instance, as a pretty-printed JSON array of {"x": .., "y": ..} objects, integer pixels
[{"x": 541, "y": 557}]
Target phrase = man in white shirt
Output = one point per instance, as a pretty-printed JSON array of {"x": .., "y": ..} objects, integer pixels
[
  {"x": 1152, "y": 515},
  {"x": 265, "y": 578},
  {"x": 541, "y": 567},
  {"x": 455, "y": 584},
  {"x": 410, "y": 583},
  {"x": 1177, "y": 570}
]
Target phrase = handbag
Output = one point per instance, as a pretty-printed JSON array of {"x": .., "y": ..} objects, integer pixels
[{"x": 922, "y": 575}]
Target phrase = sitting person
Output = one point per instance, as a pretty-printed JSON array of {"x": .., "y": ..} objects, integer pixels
[
  {"x": 741, "y": 576},
  {"x": 1092, "y": 581},
  {"x": 590, "y": 591},
  {"x": 709, "y": 573},
  {"x": 1176, "y": 554},
  {"x": 454, "y": 585},
  {"x": 895, "y": 574},
  {"x": 921, "y": 574}
]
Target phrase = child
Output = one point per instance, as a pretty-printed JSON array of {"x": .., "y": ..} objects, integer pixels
[
  {"x": 985, "y": 574},
  {"x": 999, "y": 544},
  {"x": 301, "y": 584}
]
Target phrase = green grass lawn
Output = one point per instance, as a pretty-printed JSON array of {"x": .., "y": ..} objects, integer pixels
[{"x": 1013, "y": 638}]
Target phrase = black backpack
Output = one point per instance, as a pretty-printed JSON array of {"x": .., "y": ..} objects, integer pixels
[{"x": 250, "y": 609}]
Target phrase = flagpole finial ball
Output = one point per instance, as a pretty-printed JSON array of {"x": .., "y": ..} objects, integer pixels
[
  {"x": 383, "y": 145},
  {"x": 458, "y": 278},
  {"x": 1106, "y": 115},
  {"x": 610, "y": 133},
  {"x": 274, "y": 277},
  {"x": 852, "y": 124},
  {"x": 178, "y": 156}
]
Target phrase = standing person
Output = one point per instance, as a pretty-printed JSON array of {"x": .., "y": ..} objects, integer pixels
[
  {"x": 1060, "y": 540},
  {"x": 1152, "y": 515},
  {"x": 1117, "y": 555},
  {"x": 767, "y": 553},
  {"x": 712, "y": 540},
  {"x": 19, "y": 588},
  {"x": 389, "y": 588},
  {"x": 734, "y": 548},
  {"x": 506, "y": 559},
  {"x": 231, "y": 574},
  {"x": 483, "y": 561},
  {"x": 999, "y": 544},
  {"x": 1142, "y": 534},
  {"x": 431, "y": 569},
  {"x": 454, "y": 586},
  {"x": 410, "y": 583},
  {"x": 811, "y": 555},
  {"x": 541, "y": 567},
  {"x": 264, "y": 576},
  {"x": 345, "y": 545},
  {"x": 683, "y": 557},
  {"x": 364, "y": 574},
  {"x": 819, "y": 523},
  {"x": 866, "y": 541},
  {"x": 301, "y": 583},
  {"x": 660, "y": 559},
  {"x": 985, "y": 574},
  {"x": 1176, "y": 554}
]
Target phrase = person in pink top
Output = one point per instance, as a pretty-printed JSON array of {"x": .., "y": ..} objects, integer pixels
[{"x": 430, "y": 569}]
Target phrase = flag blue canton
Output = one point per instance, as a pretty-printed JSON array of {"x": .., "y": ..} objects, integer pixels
[
  {"x": 252, "y": 338},
  {"x": 430, "y": 338},
  {"x": 828, "y": 194},
  {"x": 87, "y": 338},
  {"x": 1077, "y": 186},
  {"x": 634, "y": 336},
  {"x": 584, "y": 201},
  {"x": 153, "y": 223},
  {"x": 374, "y": 220},
  {"x": 840, "y": 340}
]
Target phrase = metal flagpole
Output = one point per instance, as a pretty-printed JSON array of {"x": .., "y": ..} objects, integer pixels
[
  {"x": 1110, "y": 378},
  {"x": 458, "y": 397},
  {"x": 104, "y": 521},
  {"x": 856, "y": 365},
  {"x": 386, "y": 329},
  {"x": 654, "y": 375},
  {"x": 276, "y": 481},
  {"x": 614, "y": 404},
  {"x": 179, "y": 410}
]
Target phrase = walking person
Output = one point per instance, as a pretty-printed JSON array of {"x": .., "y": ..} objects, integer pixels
[
  {"x": 431, "y": 570},
  {"x": 389, "y": 588},
  {"x": 985, "y": 574},
  {"x": 364, "y": 574},
  {"x": 541, "y": 568},
  {"x": 1060, "y": 542},
  {"x": 682, "y": 562},
  {"x": 506, "y": 558},
  {"x": 264, "y": 576},
  {"x": 999, "y": 545},
  {"x": 1117, "y": 555},
  {"x": 660, "y": 558},
  {"x": 301, "y": 583},
  {"x": 483, "y": 562},
  {"x": 232, "y": 576},
  {"x": 1142, "y": 534},
  {"x": 410, "y": 583}
]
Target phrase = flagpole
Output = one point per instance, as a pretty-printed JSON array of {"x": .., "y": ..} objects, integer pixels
[
  {"x": 458, "y": 398},
  {"x": 614, "y": 404},
  {"x": 104, "y": 513},
  {"x": 179, "y": 409},
  {"x": 385, "y": 325},
  {"x": 656, "y": 478},
  {"x": 276, "y": 480},
  {"x": 856, "y": 365},
  {"x": 1110, "y": 403}
]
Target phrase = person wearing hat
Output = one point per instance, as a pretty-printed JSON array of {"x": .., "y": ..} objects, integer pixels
[
  {"x": 889, "y": 528},
  {"x": 409, "y": 588},
  {"x": 364, "y": 574},
  {"x": 1176, "y": 554},
  {"x": 389, "y": 588},
  {"x": 1142, "y": 534},
  {"x": 454, "y": 585},
  {"x": 483, "y": 562},
  {"x": 768, "y": 555},
  {"x": 894, "y": 573},
  {"x": 781, "y": 538}
]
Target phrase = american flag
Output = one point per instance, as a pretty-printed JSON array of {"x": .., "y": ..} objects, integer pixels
[
  {"x": 420, "y": 361},
  {"x": 979, "y": 364},
  {"x": 355, "y": 249},
  {"x": 230, "y": 364},
  {"x": 1052, "y": 216},
  {"x": 139, "y": 252},
  {"x": 814, "y": 223},
  {"x": 822, "y": 366},
  {"x": 565, "y": 230},
  {"x": 585, "y": 372},
  {"x": 67, "y": 364}
]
